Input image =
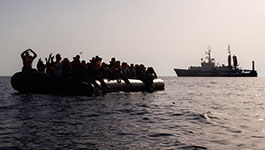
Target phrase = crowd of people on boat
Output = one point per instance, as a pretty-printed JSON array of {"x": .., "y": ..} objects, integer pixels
[{"x": 90, "y": 71}]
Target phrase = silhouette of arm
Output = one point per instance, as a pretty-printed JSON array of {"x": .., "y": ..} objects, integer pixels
[
  {"x": 34, "y": 54},
  {"x": 52, "y": 61},
  {"x": 155, "y": 75},
  {"x": 49, "y": 58},
  {"x": 23, "y": 53}
]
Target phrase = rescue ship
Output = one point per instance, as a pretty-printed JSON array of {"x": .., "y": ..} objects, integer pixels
[{"x": 209, "y": 69}]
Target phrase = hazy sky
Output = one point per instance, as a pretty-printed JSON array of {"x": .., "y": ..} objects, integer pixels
[{"x": 159, "y": 33}]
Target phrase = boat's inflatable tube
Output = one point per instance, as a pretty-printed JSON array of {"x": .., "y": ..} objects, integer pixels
[{"x": 41, "y": 83}]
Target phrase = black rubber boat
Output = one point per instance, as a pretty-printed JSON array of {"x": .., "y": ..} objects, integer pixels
[{"x": 41, "y": 83}]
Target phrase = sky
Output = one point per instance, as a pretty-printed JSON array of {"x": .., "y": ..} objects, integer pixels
[{"x": 165, "y": 34}]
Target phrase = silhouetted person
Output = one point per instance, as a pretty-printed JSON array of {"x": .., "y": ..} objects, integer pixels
[
  {"x": 41, "y": 66},
  {"x": 76, "y": 68},
  {"x": 125, "y": 69},
  {"x": 82, "y": 71},
  {"x": 112, "y": 62},
  {"x": 125, "y": 72},
  {"x": 132, "y": 72},
  {"x": 104, "y": 71},
  {"x": 148, "y": 77},
  {"x": 140, "y": 70},
  {"x": 93, "y": 72},
  {"x": 84, "y": 63},
  {"x": 50, "y": 64},
  {"x": 151, "y": 72},
  {"x": 66, "y": 68},
  {"x": 27, "y": 60},
  {"x": 58, "y": 66}
]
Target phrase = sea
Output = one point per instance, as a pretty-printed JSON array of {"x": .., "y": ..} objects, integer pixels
[{"x": 190, "y": 114}]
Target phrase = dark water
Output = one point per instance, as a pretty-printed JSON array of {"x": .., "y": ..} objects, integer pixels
[{"x": 192, "y": 113}]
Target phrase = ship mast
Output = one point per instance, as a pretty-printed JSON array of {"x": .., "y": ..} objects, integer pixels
[
  {"x": 209, "y": 54},
  {"x": 229, "y": 57},
  {"x": 229, "y": 51}
]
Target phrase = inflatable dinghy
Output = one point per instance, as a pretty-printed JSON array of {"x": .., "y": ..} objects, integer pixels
[{"x": 24, "y": 82}]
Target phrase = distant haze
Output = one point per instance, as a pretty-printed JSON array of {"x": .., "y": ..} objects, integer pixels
[{"x": 159, "y": 33}]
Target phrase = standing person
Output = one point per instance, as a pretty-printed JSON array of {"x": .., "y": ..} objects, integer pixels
[
  {"x": 27, "y": 60},
  {"x": 58, "y": 66},
  {"x": 41, "y": 66},
  {"x": 50, "y": 64},
  {"x": 77, "y": 69},
  {"x": 66, "y": 68},
  {"x": 148, "y": 77}
]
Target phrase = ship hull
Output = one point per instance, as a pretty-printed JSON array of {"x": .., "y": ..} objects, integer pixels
[{"x": 198, "y": 73}]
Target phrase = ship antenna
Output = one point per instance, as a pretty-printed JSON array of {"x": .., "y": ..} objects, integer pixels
[
  {"x": 229, "y": 51},
  {"x": 229, "y": 57},
  {"x": 209, "y": 54}
]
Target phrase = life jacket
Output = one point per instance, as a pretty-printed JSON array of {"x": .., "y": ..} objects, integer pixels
[{"x": 66, "y": 67}]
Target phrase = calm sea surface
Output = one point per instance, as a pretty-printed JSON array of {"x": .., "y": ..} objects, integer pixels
[{"x": 191, "y": 113}]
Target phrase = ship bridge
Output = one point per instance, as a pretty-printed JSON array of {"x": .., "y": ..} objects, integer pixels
[{"x": 210, "y": 63}]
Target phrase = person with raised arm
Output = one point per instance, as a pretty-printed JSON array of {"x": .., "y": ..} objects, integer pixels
[{"x": 27, "y": 60}]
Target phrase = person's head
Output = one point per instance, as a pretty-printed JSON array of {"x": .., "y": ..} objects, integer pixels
[
  {"x": 98, "y": 58},
  {"x": 77, "y": 57},
  {"x": 142, "y": 67},
  {"x": 98, "y": 63},
  {"x": 26, "y": 53},
  {"x": 58, "y": 57},
  {"x": 103, "y": 64},
  {"x": 123, "y": 64},
  {"x": 92, "y": 61},
  {"x": 118, "y": 63},
  {"x": 150, "y": 69},
  {"x": 66, "y": 61}
]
